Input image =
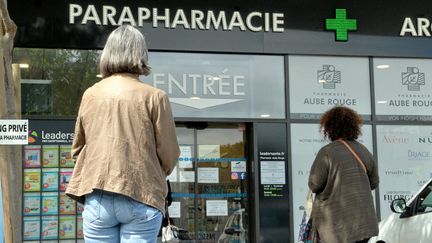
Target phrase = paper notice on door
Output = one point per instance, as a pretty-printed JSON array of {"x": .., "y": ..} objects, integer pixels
[
  {"x": 187, "y": 176},
  {"x": 209, "y": 151},
  {"x": 208, "y": 175},
  {"x": 238, "y": 166},
  {"x": 185, "y": 160},
  {"x": 273, "y": 172},
  {"x": 217, "y": 208},
  {"x": 173, "y": 176},
  {"x": 174, "y": 210}
]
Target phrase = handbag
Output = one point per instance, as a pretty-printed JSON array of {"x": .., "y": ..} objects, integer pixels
[
  {"x": 305, "y": 233},
  {"x": 172, "y": 233}
]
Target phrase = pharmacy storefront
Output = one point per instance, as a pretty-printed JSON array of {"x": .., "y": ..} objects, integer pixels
[{"x": 248, "y": 82}]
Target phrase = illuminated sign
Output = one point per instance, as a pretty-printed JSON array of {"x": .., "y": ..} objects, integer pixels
[
  {"x": 341, "y": 25},
  {"x": 418, "y": 27},
  {"x": 173, "y": 18}
]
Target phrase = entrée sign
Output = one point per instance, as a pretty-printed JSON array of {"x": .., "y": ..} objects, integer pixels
[{"x": 171, "y": 19}]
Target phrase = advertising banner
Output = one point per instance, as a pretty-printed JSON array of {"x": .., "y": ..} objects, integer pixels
[
  {"x": 48, "y": 214},
  {"x": 404, "y": 160},
  {"x": 13, "y": 132},
  {"x": 367, "y": 28},
  {"x": 306, "y": 141},
  {"x": 272, "y": 151},
  {"x": 402, "y": 89},
  {"x": 318, "y": 83}
]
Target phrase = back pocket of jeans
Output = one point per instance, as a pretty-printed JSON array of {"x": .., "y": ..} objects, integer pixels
[
  {"x": 142, "y": 211},
  {"x": 91, "y": 211}
]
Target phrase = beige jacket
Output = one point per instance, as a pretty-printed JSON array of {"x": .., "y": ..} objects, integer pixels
[
  {"x": 343, "y": 210},
  {"x": 125, "y": 141}
]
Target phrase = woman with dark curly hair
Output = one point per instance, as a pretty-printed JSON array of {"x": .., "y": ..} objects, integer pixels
[{"x": 342, "y": 176}]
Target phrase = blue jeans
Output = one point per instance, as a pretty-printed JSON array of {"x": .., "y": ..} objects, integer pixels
[{"x": 112, "y": 218}]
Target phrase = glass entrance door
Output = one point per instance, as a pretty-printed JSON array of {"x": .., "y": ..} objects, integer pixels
[{"x": 210, "y": 183}]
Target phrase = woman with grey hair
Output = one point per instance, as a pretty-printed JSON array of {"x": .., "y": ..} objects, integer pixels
[{"x": 125, "y": 146}]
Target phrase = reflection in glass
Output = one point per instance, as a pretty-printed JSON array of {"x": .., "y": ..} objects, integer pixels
[
  {"x": 220, "y": 85},
  {"x": 214, "y": 205},
  {"x": 198, "y": 85},
  {"x": 55, "y": 79}
]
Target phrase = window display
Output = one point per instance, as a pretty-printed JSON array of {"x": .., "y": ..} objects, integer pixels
[{"x": 48, "y": 214}]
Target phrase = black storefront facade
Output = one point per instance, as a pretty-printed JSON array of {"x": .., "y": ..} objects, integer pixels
[{"x": 248, "y": 82}]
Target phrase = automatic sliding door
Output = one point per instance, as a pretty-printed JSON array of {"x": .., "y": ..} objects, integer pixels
[
  {"x": 182, "y": 181},
  {"x": 212, "y": 197}
]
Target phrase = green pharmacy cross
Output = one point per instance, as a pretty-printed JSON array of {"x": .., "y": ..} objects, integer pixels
[{"x": 341, "y": 25}]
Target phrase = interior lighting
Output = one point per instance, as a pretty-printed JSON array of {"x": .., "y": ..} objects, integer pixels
[
  {"x": 382, "y": 66},
  {"x": 265, "y": 115},
  {"x": 195, "y": 98}
]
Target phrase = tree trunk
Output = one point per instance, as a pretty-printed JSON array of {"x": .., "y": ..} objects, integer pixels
[{"x": 10, "y": 156}]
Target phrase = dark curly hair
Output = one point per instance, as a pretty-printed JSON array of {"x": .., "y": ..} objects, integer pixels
[{"x": 341, "y": 122}]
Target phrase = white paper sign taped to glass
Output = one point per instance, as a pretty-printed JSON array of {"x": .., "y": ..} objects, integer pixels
[{"x": 13, "y": 132}]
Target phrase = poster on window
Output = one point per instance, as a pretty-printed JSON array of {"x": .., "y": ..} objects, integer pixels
[
  {"x": 67, "y": 205},
  {"x": 50, "y": 179},
  {"x": 209, "y": 152},
  {"x": 80, "y": 230},
  {"x": 306, "y": 141},
  {"x": 67, "y": 227},
  {"x": 66, "y": 157},
  {"x": 175, "y": 210},
  {"x": 318, "y": 83},
  {"x": 32, "y": 204},
  {"x": 217, "y": 208},
  {"x": 65, "y": 175},
  {"x": 49, "y": 227},
  {"x": 50, "y": 156},
  {"x": 50, "y": 203},
  {"x": 208, "y": 175},
  {"x": 404, "y": 155},
  {"x": 31, "y": 228},
  {"x": 403, "y": 89},
  {"x": 32, "y": 180},
  {"x": 32, "y": 155},
  {"x": 173, "y": 176},
  {"x": 185, "y": 159}
]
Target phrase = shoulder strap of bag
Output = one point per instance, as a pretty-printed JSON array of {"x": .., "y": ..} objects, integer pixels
[
  {"x": 309, "y": 202},
  {"x": 354, "y": 153},
  {"x": 167, "y": 214}
]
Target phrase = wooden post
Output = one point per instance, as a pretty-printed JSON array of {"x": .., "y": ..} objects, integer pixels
[{"x": 10, "y": 156}]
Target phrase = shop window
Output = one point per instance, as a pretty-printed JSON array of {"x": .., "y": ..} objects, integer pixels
[
  {"x": 53, "y": 80},
  {"x": 199, "y": 85}
]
